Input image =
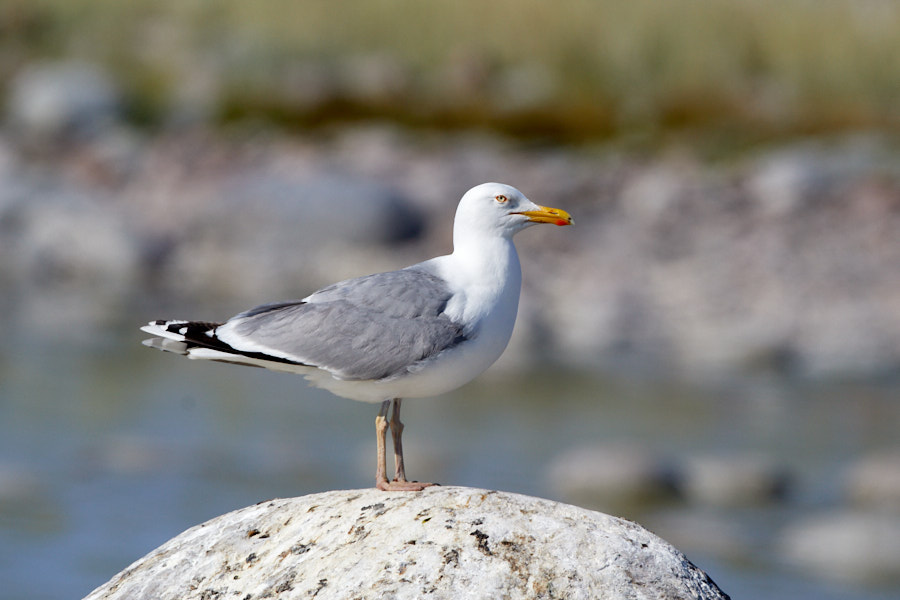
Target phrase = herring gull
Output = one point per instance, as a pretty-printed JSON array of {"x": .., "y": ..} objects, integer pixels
[{"x": 417, "y": 332}]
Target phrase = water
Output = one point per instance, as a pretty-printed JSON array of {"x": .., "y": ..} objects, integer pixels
[{"x": 107, "y": 450}]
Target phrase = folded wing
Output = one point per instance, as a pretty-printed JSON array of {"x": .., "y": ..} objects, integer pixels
[{"x": 368, "y": 328}]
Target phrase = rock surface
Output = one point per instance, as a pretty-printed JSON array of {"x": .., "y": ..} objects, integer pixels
[{"x": 446, "y": 542}]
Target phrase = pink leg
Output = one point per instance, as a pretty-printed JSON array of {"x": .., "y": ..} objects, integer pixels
[
  {"x": 381, "y": 426},
  {"x": 399, "y": 484},
  {"x": 396, "y": 435}
]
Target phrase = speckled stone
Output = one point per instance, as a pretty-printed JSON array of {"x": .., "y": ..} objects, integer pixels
[{"x": 445, "y": 542}]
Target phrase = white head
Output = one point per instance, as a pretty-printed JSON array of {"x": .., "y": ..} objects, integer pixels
[{"x": 499, "y": 210}]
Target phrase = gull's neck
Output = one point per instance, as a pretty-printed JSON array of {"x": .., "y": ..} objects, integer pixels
[
  {"x": 486, "y": 260},
  {"x": 485, "y": 274}
]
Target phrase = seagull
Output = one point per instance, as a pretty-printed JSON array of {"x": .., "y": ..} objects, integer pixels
[{"x": 418, "y": 332}]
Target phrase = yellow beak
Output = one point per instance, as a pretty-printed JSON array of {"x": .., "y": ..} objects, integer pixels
[{"x": 545, "y": 214}]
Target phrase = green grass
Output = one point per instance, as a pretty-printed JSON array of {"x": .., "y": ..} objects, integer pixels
[{"x": 571, "y": 69}]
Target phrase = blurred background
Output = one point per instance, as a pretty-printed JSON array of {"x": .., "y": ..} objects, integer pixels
[{"x": 712, "y": 350}]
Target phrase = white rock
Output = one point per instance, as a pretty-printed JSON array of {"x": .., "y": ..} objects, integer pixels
[{"x": 445, "y": 542}]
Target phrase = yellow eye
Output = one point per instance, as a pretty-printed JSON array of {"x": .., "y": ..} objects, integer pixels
[{"x": 501, "y": 198}]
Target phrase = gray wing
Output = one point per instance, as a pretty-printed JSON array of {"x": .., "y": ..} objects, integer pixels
[{"x": 367, "y": 328}]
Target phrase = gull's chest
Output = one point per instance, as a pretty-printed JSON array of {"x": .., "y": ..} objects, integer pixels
[
  {"x": 488, "y": 311},
  {"x": 486, "y": 301}
]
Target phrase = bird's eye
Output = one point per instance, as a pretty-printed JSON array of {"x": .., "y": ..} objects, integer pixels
[{"x": 501, "y": 198}]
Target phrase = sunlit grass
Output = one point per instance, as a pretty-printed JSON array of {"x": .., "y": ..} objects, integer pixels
[{"x": 570, "y": 68}]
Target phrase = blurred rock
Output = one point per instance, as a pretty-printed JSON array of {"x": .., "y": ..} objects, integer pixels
[
  {"x": 653, "y": 193},
  {"x": 846, "y": 545},
  {"x": 675, "y": 268},
  {"x": 732, "y": 480},
  {"x": 616, "y": 478},
  {"x": 804, "y": 177},
  {"x": 446, "y": 542},
  {"x": 874, "y": 481},
  {"x": 9, "y": 162},
  {"x": 785, "y": 182},
  {"x": 18, "y": 485},
  {"x": 323, "y": 208},
  {"x": 271, "y": 233},
  {"x": 109, "y": 160},
  {"x": 74, "y": 262},
  {"x": 709, "y": 532},
  {"x": 50, "y": 102},
  {"x": 67, "y": 240}
]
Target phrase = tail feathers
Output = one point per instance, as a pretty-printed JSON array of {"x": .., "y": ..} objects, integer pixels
[
  {"x": 197, "y": 339},
  {"x": 167, "y": 345},
  {"x": 183, "y": 336},
  {"x": 199, "y": 332}
]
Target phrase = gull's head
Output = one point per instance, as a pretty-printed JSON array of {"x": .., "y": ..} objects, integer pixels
[{"x": 502, "y": 210}]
